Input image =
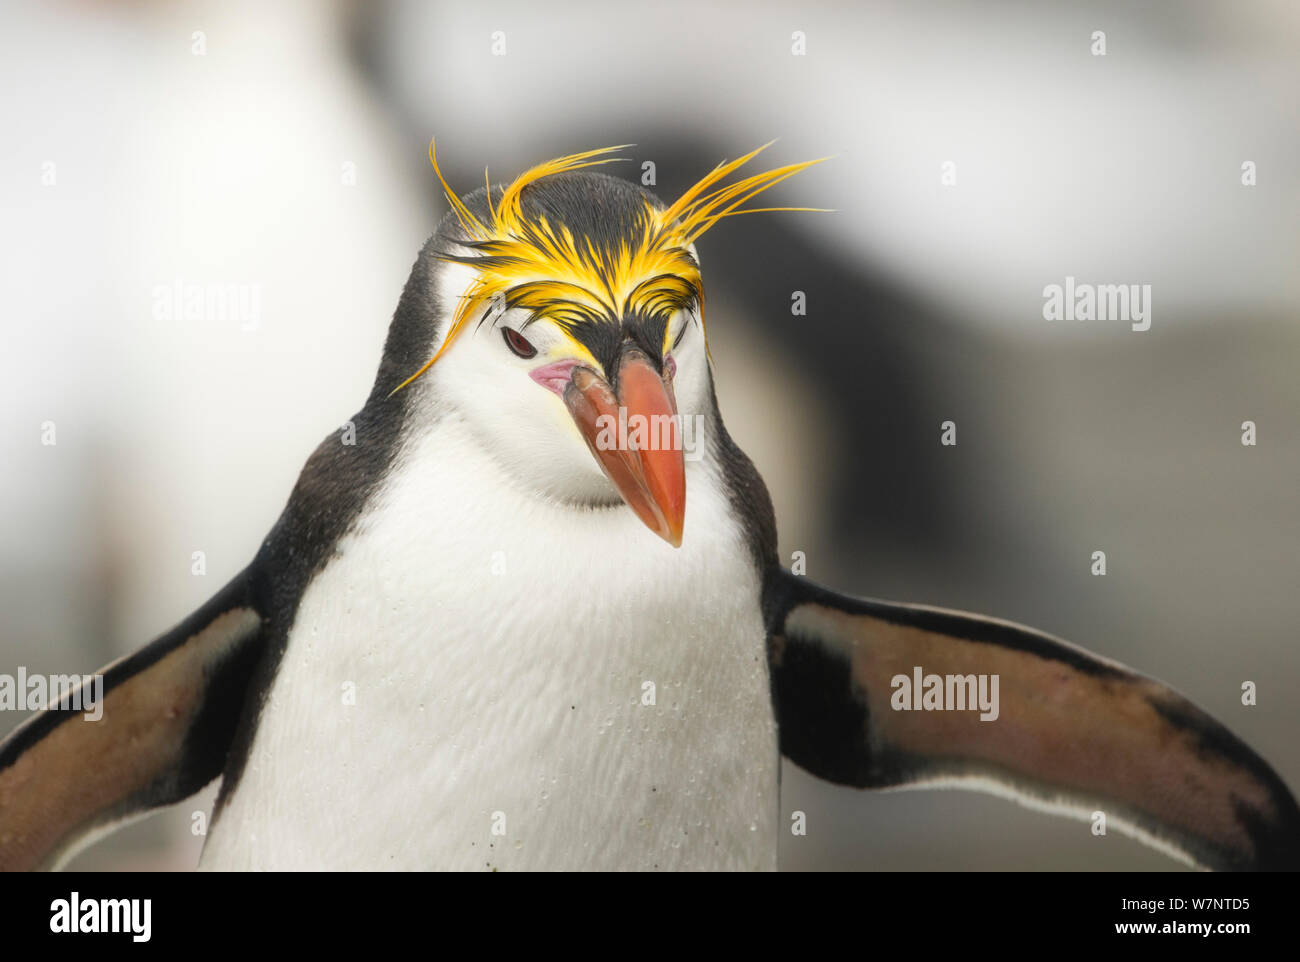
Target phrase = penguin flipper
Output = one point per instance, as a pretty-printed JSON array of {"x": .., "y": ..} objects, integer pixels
[
  {"x": 1074, "y": 733},
  {"x": 169, "y": 713}
]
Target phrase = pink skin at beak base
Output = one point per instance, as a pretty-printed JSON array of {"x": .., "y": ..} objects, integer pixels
[{"x": 555, "y": 377}]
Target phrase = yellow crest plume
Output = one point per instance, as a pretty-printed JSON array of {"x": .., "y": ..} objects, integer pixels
[{"x": 542, "y": 267}]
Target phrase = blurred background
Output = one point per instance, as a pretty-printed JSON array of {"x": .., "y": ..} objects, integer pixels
[{"x": 278, "y": 149}]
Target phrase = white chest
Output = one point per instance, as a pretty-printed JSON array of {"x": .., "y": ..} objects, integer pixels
[{"x": 481, "y": 680}]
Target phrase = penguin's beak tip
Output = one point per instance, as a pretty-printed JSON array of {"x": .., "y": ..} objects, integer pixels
[{"x": 671, "y": 534}]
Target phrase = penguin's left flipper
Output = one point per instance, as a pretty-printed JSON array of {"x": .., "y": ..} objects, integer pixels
[
  {"x": 166, "y": 721},
  {"x": 1073, "y": 733}
]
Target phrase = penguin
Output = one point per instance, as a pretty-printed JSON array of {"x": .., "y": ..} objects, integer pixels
[{"x": 525, "y": 611}]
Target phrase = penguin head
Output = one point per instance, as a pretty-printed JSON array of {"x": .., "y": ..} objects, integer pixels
[{"x": 571, "y": 330}]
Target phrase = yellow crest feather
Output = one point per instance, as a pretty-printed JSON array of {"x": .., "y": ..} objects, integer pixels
[{"x": 543, "y": 268}]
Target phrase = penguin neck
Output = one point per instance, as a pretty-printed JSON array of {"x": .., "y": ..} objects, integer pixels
[{"x": 444, "y": 445}]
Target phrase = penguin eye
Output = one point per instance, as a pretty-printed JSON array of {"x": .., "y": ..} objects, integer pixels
[{"x": 518, "y": 344}]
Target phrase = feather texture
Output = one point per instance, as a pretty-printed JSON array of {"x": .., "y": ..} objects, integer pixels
[{"x": 531, "y": 263}]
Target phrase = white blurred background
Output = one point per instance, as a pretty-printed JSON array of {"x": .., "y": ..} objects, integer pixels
[{"x": 288, "y": 157}]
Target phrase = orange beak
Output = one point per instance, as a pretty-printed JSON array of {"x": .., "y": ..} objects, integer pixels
[{"x": 636, "y": 438}]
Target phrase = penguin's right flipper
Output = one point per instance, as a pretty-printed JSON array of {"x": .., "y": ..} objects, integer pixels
[{"x": 167, "y": 716}]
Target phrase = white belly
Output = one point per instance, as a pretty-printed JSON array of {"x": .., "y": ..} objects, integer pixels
[{"x": 465, "y": 687}]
